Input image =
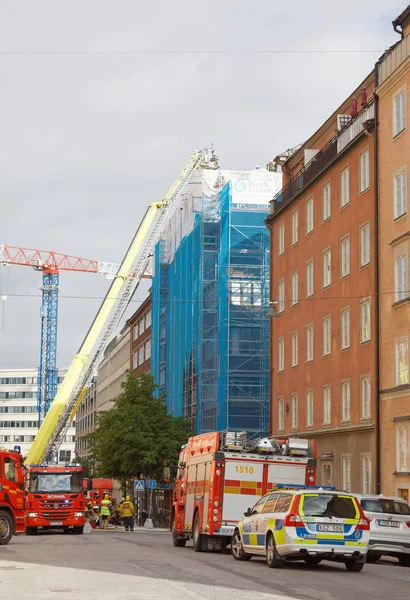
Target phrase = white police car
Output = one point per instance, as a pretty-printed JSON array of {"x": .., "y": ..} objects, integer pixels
[{"x": 310, "y": 524}]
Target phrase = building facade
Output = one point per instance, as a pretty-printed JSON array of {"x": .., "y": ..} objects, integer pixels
[
  {"x": 85, "y": 420},
  {"x": 210, "y": 334},
  {"x": 140, "y": 338},
  {"x": 393, "y": 78},
  {"x": 323, "y": 266},
  {"x": 19, "y": 415}
]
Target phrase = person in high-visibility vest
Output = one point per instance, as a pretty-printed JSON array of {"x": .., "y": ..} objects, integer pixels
[
  {"x": 105, "y": 511},
  {"x": 127, "y": 513}
]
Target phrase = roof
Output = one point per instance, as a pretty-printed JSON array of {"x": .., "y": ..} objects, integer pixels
[{"x": 402, "y": 19}]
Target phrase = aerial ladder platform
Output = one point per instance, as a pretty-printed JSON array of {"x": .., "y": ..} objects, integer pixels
[{"x": 125, "y": 282}]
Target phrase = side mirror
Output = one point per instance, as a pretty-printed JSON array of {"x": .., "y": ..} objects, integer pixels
[{"x": 248, "y": 512}]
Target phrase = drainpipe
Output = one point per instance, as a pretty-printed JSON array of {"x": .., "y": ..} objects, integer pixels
[{"x": 377, "y": 283}]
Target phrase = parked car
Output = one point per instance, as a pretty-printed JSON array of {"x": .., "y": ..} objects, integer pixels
[
  {"x": 389, "y": 518},
  {"x": 304, "y": 524}
]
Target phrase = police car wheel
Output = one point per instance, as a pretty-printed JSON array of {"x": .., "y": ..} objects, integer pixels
[
  {"x": 404, "y": 560},
  {"x": 352, "y": 565},
  {"x": 237, "y": 549},
  {"x": 6, "y": 527},
  {"x": 272, "y": 559}
]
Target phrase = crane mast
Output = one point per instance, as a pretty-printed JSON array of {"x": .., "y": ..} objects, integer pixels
[{"x": 112, "y": 309}]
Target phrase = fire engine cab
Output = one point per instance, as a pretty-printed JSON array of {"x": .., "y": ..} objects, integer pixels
[
  {"x": 11, "y": 495},
  {"x": 220, "y": 474}
]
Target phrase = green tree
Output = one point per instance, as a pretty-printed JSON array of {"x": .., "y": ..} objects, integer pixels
[{"x": 138, "y": 434}]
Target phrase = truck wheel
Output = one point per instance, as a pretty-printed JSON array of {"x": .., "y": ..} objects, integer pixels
[
  {"x": 6, "y": 527},
  {"x": 197, "y": 537},
  {"x": 237, "y": 549},
  {"x": 78, "y": 530},
  {"x": 178, "y": 540},
  {"x": 31, "y": 530},
  {"x": 404, "y": 560}
]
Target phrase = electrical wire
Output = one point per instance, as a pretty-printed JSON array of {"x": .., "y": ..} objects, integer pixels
[{"x": 175, "y": 52}]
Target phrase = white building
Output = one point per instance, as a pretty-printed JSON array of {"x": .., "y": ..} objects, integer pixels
[{"x": 19, "y": 415}]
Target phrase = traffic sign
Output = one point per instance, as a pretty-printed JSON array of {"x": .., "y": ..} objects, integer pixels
[
  {"x": 152, "y": 484},
  {"x": 17, "y": 449},
  {"x": 139, "y": 485}
]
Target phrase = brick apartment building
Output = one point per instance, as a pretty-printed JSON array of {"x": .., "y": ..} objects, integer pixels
[
  {"x": 140, "y": 341},
  {"x": 323, "y": 265},
  {"x": 339, "y": 282},
  {"x": 393, "y": 78}
]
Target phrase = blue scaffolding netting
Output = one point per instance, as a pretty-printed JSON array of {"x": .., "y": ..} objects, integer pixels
[{"x": 210, "y": 296}]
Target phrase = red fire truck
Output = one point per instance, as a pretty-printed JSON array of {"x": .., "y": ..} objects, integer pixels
[
  {"x": 11, "y": 495},
  {"x": 55, "y": 498},
  {"x": 221, "y": 474}
]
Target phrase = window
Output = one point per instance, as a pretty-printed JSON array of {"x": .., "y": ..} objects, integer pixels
[
  {"x": 281, "y": 296},
  {"x": 345, "y": 257},
  {"x": 401, "y": 278},
  {"x": 344, "y": 187},
  {"x": 327, "y": 336},
  {"x": 295, "y": 340},
  {"x": 327, "y": 268},
  {"x": 366, "y": 474},
  {"x": 402, "y": 362},
  {"x": 345, "y": 329},
  {"x": 309, "y": 215},
  {"x": 364, "y": 171},
  {"x": 399, "y": 112},
  {"x": 328, "y": 506},
  {"x": 284, "y": 502},
  {"x": 403, "y": 449},
  {"x": 281, "y": 238},
  {"x": 295, "y": 411},
  {"x": 309, "y": 343},
  {"x": 364, "y": 245},
  {"x": 327, "y": 474},
  {"x": 141, "y": 326},
  {"x": 309, "y": 408},
  {"x": 345, "y": 393},
  {"x": 147, "y": 319},
  {"x": 281, "y": 414},
  {"x": 346, "y": 470},
  {"x": 147, "y": 349},
  {"x": 65, "y": 456},
  {"x": 365, "y": 331},
  {"x": 141, "y": 354},
  {"x": 295, "y": 286},
  {"x": 326, "y": 202},
  {"x": 135, "y": 359},
  {"x": 281, "y": 354},
  {"x": 295, "y": 227},
  {"x": 309, "y": 279},
  {"x": 400, "y": 194},
  {"x": 327, "y": 405},
  {"x": 10, "y": 471},
  {"x": 135, "y": 332},
  {"x": 271, "y": 503},
  {"x": 365, "y": 397}
]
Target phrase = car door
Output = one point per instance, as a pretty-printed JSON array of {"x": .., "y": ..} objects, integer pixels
[
  {"x": 260, "y": 523},
  {"x": 249, "y": 539}
]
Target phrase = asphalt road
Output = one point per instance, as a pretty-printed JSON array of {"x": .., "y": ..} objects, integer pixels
[{"x": 144, "y": 564}]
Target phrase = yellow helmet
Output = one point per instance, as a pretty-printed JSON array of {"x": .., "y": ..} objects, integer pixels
[
  {"x": 106, "y": 496},
  {"x": 127, "y": 498}
]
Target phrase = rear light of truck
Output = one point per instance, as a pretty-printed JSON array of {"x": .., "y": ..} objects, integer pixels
[{"x": 408, "y": 523}]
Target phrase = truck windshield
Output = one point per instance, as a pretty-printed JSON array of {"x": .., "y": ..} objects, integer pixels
[
  {"x": 329, "y": 505},
  {"x": 55, "y": 482}
]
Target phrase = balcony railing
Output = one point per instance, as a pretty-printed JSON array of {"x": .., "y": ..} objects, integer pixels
[
  {"x": 324, "y": 157},
  {"x": 394, "y": 59}
]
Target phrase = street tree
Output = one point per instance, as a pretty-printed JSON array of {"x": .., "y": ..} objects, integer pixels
[{"x": 138, "y": 434}]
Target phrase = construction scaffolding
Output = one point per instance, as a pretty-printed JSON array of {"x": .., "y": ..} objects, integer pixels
[{"x": 210, "y": 301}]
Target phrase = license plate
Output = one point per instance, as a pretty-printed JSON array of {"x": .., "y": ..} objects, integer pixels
[
  {"x": 329, "y": 528},
  {"x": 388, "y": 523},
  {"x": 56, "y": 524},
  {"x": 226, "y": 530}
]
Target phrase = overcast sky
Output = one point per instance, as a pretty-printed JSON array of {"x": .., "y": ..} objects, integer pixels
[{"x": 94, "y": 125}]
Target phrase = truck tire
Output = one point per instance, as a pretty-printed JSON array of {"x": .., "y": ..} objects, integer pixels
[
  {"x": 78, "y": 530},
  {"x": 179, "y": 541},
  {"x": 197, "y": 538},
  {"x": 31, "y": 530},
  {"x": 6, "y": 527},
  {"x": 352, "y": 565}
]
